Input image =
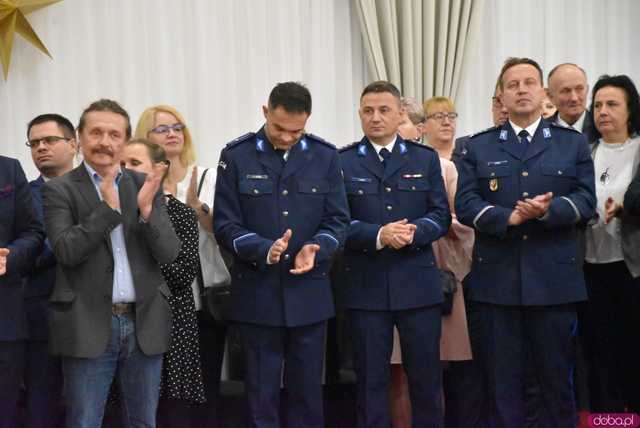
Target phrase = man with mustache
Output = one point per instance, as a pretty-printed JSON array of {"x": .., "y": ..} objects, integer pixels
[
  {"x": 52, "y": 142},
  {"x": 525, "y": 187},
  {"x": 109, "y": 230}
]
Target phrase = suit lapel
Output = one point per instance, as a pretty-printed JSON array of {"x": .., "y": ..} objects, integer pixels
[
  {"x": 509, "y": 142},
  {"x": 89, "y": 194},
  {"x": 299, "y": 155},
  {"x": 370, "y": 159},
  {"x": 540, "y": 141},
  {"x": 128, "y": 199},
  {"x": 398, "y": 158}
]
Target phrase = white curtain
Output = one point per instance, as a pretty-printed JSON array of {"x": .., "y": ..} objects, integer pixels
[
  {"x": 215, "y": 60},
  {"x": 600, "y": 36},
  {"x": 419, "y": 45}
]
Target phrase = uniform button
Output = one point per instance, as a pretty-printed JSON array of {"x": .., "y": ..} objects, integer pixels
[
  {"x": 525, "y": 173},
  {"x": 287, "y": 256},
  {"x": 525, "y": 194},
  {"x": 493, "y": 174},
  {"x": 525, "y": 237},
  {"x": 285, "y": 213},
  {"x": 313, "y": 190},
  {"x": 285, "y": 192},
  {"x": 559, "y": 172},
  {"x": 256, "y": 191},
  {"x": 413, "y": 187},
  {"x": 360, "y": 192},
  {"x": 387, "y": 189},
  {"x": 479, "y": 259},
  {"x": 389, "y": 207}
]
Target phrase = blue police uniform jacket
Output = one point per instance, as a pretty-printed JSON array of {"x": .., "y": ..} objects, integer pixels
[
  {"x": 411, "y": 187},
  {"x": 258, "y": 197},
  {"x": 537, "y": 262}
]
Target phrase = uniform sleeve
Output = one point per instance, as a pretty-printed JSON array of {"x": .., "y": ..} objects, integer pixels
[
  {"x": 335, "y": 218},
  {"x": 471, "y": 209},
  {"x": 29, "y": 234},
  {"x": 228, "y": 220},
  {"x": 579, "y": 205},
  {"x": 437, "y": 219}
]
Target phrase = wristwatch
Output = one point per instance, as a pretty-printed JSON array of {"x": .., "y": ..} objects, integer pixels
[{"x": 205, "y": 208}]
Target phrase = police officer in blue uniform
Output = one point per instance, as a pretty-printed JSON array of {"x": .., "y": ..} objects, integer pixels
[
  {"x": 398, "y": 207},
  {"x": 280, "y": 208},
  {"x": 525, "y": 187}
]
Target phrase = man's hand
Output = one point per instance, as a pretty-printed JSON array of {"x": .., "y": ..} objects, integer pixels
[
  {"x": 397, "y": 234},
  {"x": 192, "y": 191},
  {"x": 4, "y": 252},
  {"x": 611, "y": 209},
  {"x": 149, "y": 189},
  {"x": 535, "y": 207},
  {"x": 278, "y": 247},
  {"x": 108, "y": 189},
  {"x": 305, "y": 259},
  {"x": 516, "y": 219}
]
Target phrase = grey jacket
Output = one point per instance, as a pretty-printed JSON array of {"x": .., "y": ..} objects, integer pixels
[{"x": 78, "y": 226}]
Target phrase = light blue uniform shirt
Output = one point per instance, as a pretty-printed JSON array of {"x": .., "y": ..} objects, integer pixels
[{"x": 123, "y": 289}]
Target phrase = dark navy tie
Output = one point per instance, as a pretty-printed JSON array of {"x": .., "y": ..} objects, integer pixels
[
  {"x": 524, "y": 141},
  {"x": 385, "y": 155}
]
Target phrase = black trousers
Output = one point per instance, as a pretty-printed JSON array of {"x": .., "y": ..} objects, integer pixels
[
  {"x": 613, "y": 319},
  {"x": 11, "y": 367}
]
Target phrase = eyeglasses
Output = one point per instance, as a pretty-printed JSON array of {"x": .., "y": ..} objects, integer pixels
[
  {"x": 164, "y": 129},
  {"x": 48, "y": 141},
  {"x": 440, "y": 116},
  {"x": 604, "y": 177}
]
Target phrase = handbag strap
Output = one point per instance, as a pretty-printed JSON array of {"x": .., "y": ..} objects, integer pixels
[{"x": 199, "y": 276}]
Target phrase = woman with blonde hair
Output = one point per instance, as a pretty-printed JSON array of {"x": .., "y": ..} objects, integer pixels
[{"x": 194, "y": 186}]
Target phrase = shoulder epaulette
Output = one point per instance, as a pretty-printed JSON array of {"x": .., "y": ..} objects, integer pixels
[
  {"x": 245, "y": 137},
  {"x": 418, "y": 144},
  {"x": 349, "y": 146},
  {"x": 320, "y": 140},
  {"x": 484, "y": 131},
  {"x": 567, "y": 128}
]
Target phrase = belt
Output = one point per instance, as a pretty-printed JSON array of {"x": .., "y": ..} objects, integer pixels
[{"x": 123, "y": 308}]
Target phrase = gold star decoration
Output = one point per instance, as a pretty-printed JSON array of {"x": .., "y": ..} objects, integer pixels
[{"x": 13, "y": 20}]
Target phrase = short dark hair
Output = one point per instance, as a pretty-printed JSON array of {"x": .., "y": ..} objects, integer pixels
[
  {"x": 63, "y": 123},
  {"x": 380, "y": 86},
  {"x": 513, "y": 61},
  {"x": 625, "y": 83},
  {"x": 557, "y": 67},
  {"x": 293, "y": 97},
  {"x": 105, "y": 105}
]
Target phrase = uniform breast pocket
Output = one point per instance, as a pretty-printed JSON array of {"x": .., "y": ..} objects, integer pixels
[
  {"x": 558, "y": 177},
  {"x": 494, "y": 182},
  {"x": 255, "y": 188},
  {"x": 313, "y": 187},
  {"x": 413, "y": 185},
  {"x": 361, "y": 188}
]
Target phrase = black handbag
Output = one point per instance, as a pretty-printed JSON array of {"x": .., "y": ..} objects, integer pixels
[
  {"x": 449, "y": 287},
  {"x": 215, "y": 300}
]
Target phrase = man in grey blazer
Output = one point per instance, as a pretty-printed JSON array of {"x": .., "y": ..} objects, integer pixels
[{"x": 109, "y": 230}]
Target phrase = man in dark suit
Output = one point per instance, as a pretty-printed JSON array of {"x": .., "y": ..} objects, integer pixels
[
  {"x": 524, "y": 187},
  {"x": 109, "y": 230},
  {"x": 51, "y": 139},
  {"x": 21, "y": 237},
  {"x": 398, "y": 208},
  {"x": 280, "y": 209},
  {"x": 568, "y": 90}
]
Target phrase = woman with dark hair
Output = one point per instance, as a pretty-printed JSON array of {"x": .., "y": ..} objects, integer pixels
[
  {"x": 182, "y": 378},
  {"x": 612, "y": 259}
]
